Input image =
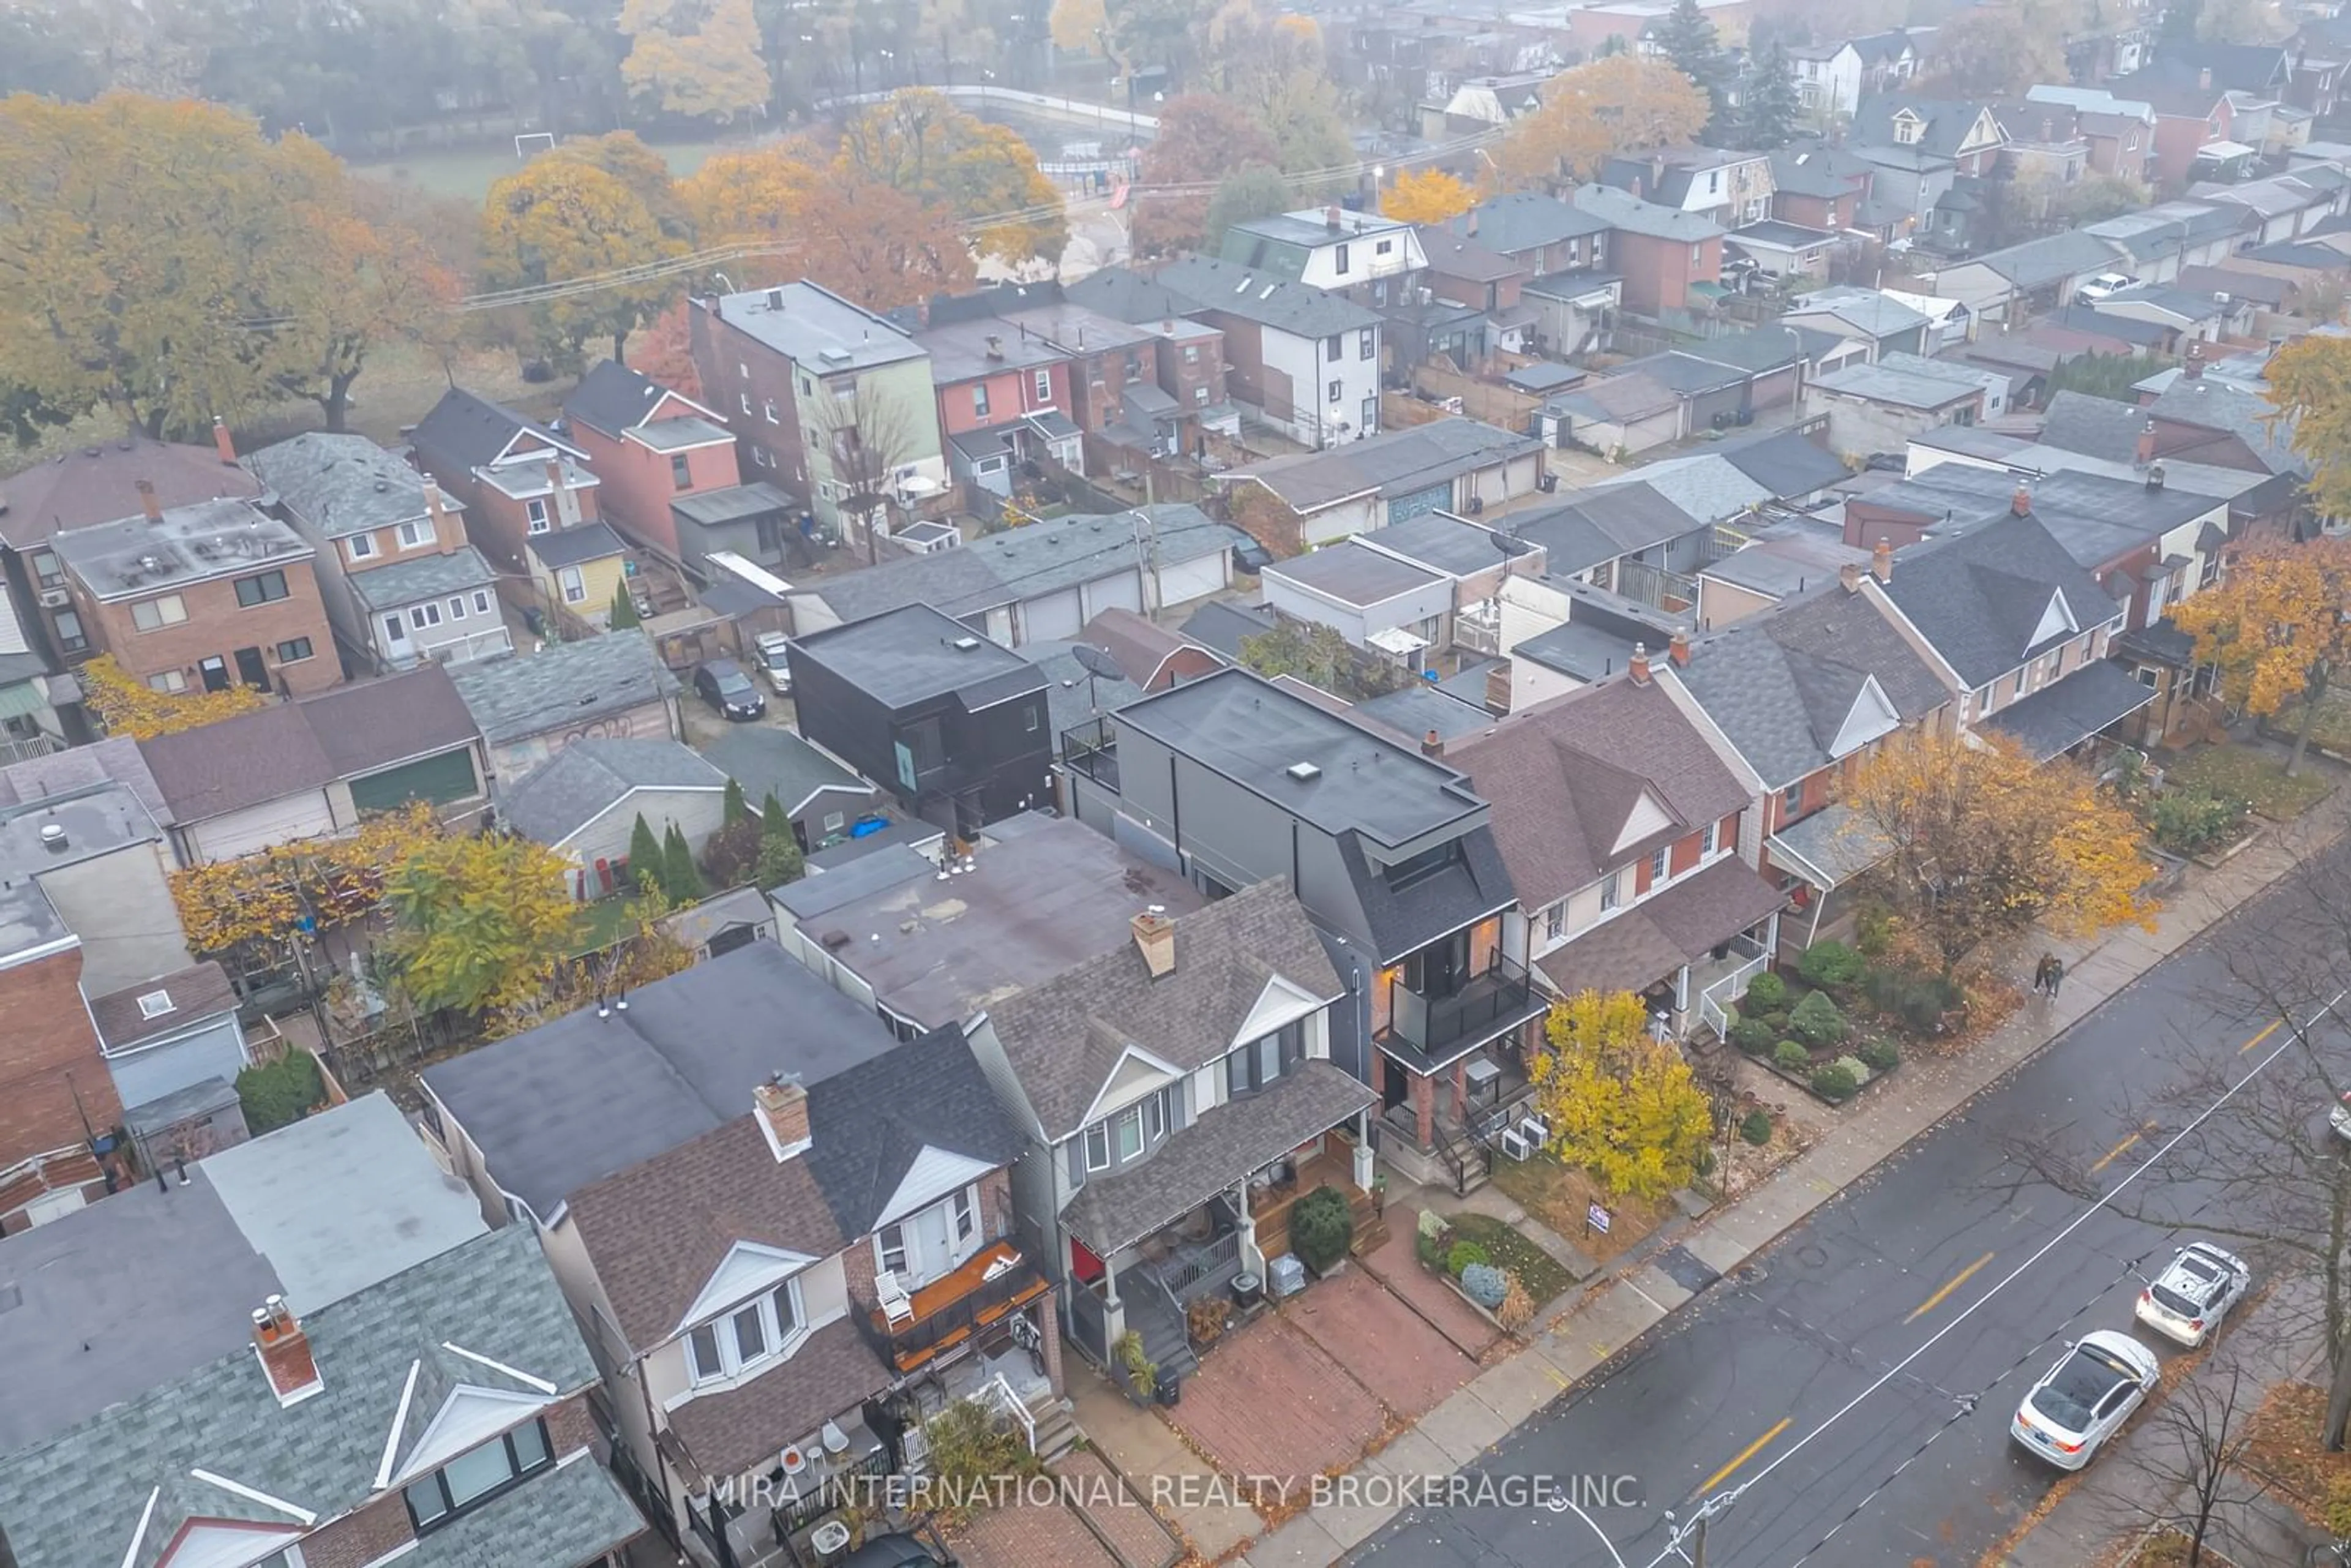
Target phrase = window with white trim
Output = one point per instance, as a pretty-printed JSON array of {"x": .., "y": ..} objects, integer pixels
[
  {"x": 416, "y": 533},
  {"x": 1364, "y": 341},
  {"x": 979, "y": 400},
  {"x": 48, "y": 568},
  {"x": 457, "y": 607},
  {"x": 1707, "y": 840},
  {"x": 360, "y": 547},
  {"x": 890, "y": 1249},
  {"x": 1555, "y": 920},
  {"x": 574, "y": 585},
  {"x": 423, "y": 615},
  {"x": 758, "y": 1331},
  {"x": 964, "y": 1212},
  {"x": 535, "y": 510},
  {"x": 1659, "y": 863},
  {"x": 1098, "y": 1146},
  {"x": 1129, "y": 1123},
  {"x": 481, "y": 601},
  {"x": 169, "y": 681},
  {"x": 1045, "y": 387},
  {"x": 1610, "y": 896}
]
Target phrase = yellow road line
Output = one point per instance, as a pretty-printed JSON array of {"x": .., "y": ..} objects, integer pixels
[
  {"x": 2113, "y": 1154},
  {"x": 1745, "y": 1453},
  {"x": 2261, "y": 1037},
  {"x": 1961, "y": 1278}
]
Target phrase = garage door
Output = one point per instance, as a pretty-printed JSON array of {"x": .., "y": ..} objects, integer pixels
[
  {"x": 439, "y": 779},
  {"x": 1402, "y": 508},
  {"x": 1051, "y": 615},
  {"x": 1186, "y": 581},
  {"x": 1123, "y": 591}
]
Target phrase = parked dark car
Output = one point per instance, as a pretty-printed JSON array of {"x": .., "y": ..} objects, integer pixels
[
  {"x": 894, "y": 1551},
  {"x": 1251, "y": 557},
  {"x": 722, "y": 685}
]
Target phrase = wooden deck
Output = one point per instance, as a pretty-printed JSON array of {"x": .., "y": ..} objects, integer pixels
[
  {"x": 949, "y": 1292},
  {"x": 1332, "y": 1167}
]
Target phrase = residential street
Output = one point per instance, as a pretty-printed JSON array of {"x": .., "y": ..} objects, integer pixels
[{"x": 1922, "y": 1470}]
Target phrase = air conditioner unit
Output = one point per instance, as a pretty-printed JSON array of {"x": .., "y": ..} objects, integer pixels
[{"x": 55, "y": 599}]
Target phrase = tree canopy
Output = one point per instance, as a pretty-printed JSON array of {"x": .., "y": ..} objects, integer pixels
[
  {"x": 480, "y": 922},
  {"x": 2310, "y": 390},
  {"x": 1770, "y": 109},
  {"x": 557, "y": 219},
  {"x": 1202, "y": 139},
  {"x": 699, "y": 58},
  {"x": 1426, "y": 196},
  {"x": 2276, "y": 629},
  {"x": 1688, "y": 39},
  {"x": 919, "y": 143},
  {"x": 1589, "y": 113},
  {"x": 1621, "y": 1104},
  {"x": 1254, "y": 193},
  {"x": 1982, "y": 843}
]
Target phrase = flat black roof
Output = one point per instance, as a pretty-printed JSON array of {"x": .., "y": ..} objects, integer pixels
[{"x": 915, "y": 652}]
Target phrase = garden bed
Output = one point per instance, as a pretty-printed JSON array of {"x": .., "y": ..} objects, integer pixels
[
  {"x": 2248, "y": 774},
  {"x": 1560, "y": 1195},
  {"x": 1544, "y": 1277},
  {"x": 2167, "y": 1548}
]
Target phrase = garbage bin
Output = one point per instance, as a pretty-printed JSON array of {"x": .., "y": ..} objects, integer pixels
[{"x": 1170, "y": 1391}]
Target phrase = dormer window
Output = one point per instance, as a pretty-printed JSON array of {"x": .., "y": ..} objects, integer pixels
[
  {"x": 762, "y": 1330},
  {"x": 1908, "y": 128},
  {"x": 1262, "y": 1062},
  {"x": 478, "y": 1475}
]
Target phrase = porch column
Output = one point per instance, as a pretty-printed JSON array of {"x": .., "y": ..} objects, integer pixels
[
  {"x": 1363, "y": 1157},
  {"x": 1049, "y": 1335},
  {"x": 1252, "y": 1255},
  {"x": 1423, "y": 1108},
  {"x": 1113, "y": 1309},
  {"x": 1461, "y": 1091}
]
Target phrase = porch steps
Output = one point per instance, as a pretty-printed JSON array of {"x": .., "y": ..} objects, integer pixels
[
  {"x": 1057, "y": 1429},
  {"x": 1164, "y": 1343}
]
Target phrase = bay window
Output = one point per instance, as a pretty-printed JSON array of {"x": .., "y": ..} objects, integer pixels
[{"x": 745, "y": 1338}]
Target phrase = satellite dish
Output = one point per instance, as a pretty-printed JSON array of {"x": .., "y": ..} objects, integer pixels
[{"x": 1097, "y": 661}]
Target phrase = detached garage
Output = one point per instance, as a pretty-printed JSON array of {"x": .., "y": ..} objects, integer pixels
[{"x": 584, "y": 802}]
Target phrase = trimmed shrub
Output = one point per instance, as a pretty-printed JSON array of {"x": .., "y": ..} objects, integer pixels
[
  {"x": 1835, "y": 1083},
  {"x": 1427, "y": 1250},
  {"x": 1879, "y": 1055},
  {"x": 1465, "y": 1255},
  {"x": 1791, "y": 1055},
  {"x": 1321, "y": 1228},
  {"x": 1916, "y": 1000},
  {"x": 2191, "y": 821},
  {"x": 1816, "y": 1022},
  {"x": 1873, "y": 930},
  {"x": 280, "y": 1093},
  {"x": 1831, "y": 964},
  {"x": 1767, "y": 992},
  {"x": 1756, "y": 1127},
  {"x": 1485, "y": 1284},
  {"x": 1753, "y": 1036},
  {"x": 1432, "y": 1224}
]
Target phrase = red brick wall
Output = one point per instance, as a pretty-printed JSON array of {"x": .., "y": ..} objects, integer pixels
[
  {"x": 217, "y": 626},
  {"x": 1658, "y": 272},
  {"x": 1686, "y": 854},
  {"x": 1179, "y": 377},
  {"x": 741, "y": 376},
  {"x": 48, "y": 1056},
  {"x": 638, "y": 485},
  {"x": 359, "y": 1538}
]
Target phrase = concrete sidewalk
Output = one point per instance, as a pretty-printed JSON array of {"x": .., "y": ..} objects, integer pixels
[{"x": 1596, "y": 1320}]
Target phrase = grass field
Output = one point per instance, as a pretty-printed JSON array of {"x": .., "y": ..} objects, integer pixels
[
  {"x": 469, "y": 172},
  {"x": 2248, "y": 774}
]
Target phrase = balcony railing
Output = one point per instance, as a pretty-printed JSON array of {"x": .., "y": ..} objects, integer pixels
[
  {"x": 1093, "y": 749},
  {"x": 995, "y": 1283},
  {"x": 1489, "y": 1002},
  {"x": 1722, "y": 988}
]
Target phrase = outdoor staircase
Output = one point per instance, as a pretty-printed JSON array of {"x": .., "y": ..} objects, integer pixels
[
  {"x": 1165, "y": 1342},
  {"x": 1057, "y": 1429}
]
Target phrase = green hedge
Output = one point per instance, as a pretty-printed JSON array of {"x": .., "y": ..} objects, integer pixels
[{"x": 280, "y": 1093}]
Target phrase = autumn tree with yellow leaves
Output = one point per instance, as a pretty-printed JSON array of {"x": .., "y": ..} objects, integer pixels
[
  {"x": 1985, "y": 844},
  {"x": 696, "y": 58},
  {"x": 481, "y": 922},
  {"x": 820, "y": 218},
  {"x": 1621, "y": 1105},
  {"x": 2310, "y": 393},
  {"x": 247, "y": 908},
  {"x": 129, "y": 706},
  {"x": 2275, "y": 627},
  {"x": 646, "y": 951},
  {"x": 1426, "y": 196},
  {"x": 1619, "y": 104},
  {"x": 558, "y": 219},
  {"x": 917, "y": 142}
]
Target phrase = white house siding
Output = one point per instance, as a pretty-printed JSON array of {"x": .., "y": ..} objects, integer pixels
[
  {"x": 234, "y": 834},
  {"x": 695, "y": 812},
  {"x": 151, "y": 1071},
  {"x": 1314, "y": 419},
  {"x": 1531, "y": 683},
  {"x": 1334, "y": 522},
  {"x": 647, "y": 721},
  {"x": 1860, "y": 425}
]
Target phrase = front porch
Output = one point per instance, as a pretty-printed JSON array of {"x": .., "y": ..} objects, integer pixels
[{"x": 944, "y": 1317}]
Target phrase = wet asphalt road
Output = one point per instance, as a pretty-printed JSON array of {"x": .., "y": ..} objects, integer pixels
[{"x": 1921, "y": 1472}]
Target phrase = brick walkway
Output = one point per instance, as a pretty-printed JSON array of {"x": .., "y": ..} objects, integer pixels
[
  {"x": 1020, "y": 1536},
  {"x": 1268, "y": 1401},
  {"x": 1399, "y": 1268},
  {"x": 1126, "y": 1522},
  {"x": 1388, "y": 1347}
]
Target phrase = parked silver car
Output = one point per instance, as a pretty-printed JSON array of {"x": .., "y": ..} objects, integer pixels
[
  {"x": 2084, "y": 1398},
  {"x": 2187, "y": 1299}
]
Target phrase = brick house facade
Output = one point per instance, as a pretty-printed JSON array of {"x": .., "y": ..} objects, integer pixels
[{"x": 55, "y": 1092}]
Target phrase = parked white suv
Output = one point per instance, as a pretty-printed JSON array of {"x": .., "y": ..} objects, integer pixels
[
  {"x": 2085, "y": 1398},
  {"x": 2186, "y": 1301}
]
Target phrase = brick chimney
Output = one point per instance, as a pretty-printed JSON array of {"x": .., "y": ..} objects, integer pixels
[
  {"x": 1431, "y": 745},
  {"x": 1849, "y": 577},
  {"x": 148, "y": 503},
  {"x": 285, "y": 1352},
  {"x": 1881, "y": 560},
  {"x": 2145, "y": 454},
  {"x": 2194, "y": 369},
  {"x": 1330, "y": 218},
  {"x": 555, "y": 518},
  {"x": 1639, "y": 667},
  {"x": 1155, "y": 938},
  {"x": 2021, "y": 504},
  {"x": 782, "y": 1104},
  {"x": 224, "y": 441},
  {"x": 1677, "y": 649}
]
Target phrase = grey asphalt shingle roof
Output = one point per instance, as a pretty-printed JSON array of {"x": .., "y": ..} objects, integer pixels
[
  {"x": 1255, "y": 296},
  {"x": 612, "y": 397},
  {"x": 1588, "y": 528},
  {"x": 571, "y": 1101},
  {"x": 340, "y": 485},
  {"x": 560, "y": 547},
  {"x": 79, "y": 1497},
  {"x": 1947, "y": 122},
  {"x": 1065, "y": 1036},
  {"x": 589, "y": 777},
  {"x": 1978, "y": 598},
  {"x": 1623, "y": 210},
  {"x": 765, "y": 760},
  {"x": 464, "y": 432},
  {"x": 521, "y": 695},
  {"x": 1898, "y": 388},
  {"x": 2069, "y": 710},
  {"x": 1220, "y": 624},
  {"x": 2209, "y": 403},
  {"x": 399, "y": 583},
  {"x": 1782, "y": 462},
  {"x": 1394, "y": 462},
  {"x": 2096, "y": 426},
  {"x": 1865, "y": 310},
  {"x": 1524, "y": 220},
  {"x": 2037, "y": 263},
  {"x": 1706, "y": 487}
]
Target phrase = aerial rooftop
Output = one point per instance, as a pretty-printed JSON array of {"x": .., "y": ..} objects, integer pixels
[
  {"x": 914, "y": 653},
  {"x": 135, "y": 555},
  {"x": 814, "y": 327}
]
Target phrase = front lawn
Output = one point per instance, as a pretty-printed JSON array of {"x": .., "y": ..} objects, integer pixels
[
  {"x": 1560, "y": 1194},
  {"x": 2331, "y": 729},
  {"x": 2282, "y": 1446},
  {"x": 1511, "y": 1252},
  {"x": 599, "y": 925},
  {"x": 2247, "y": 774}
]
